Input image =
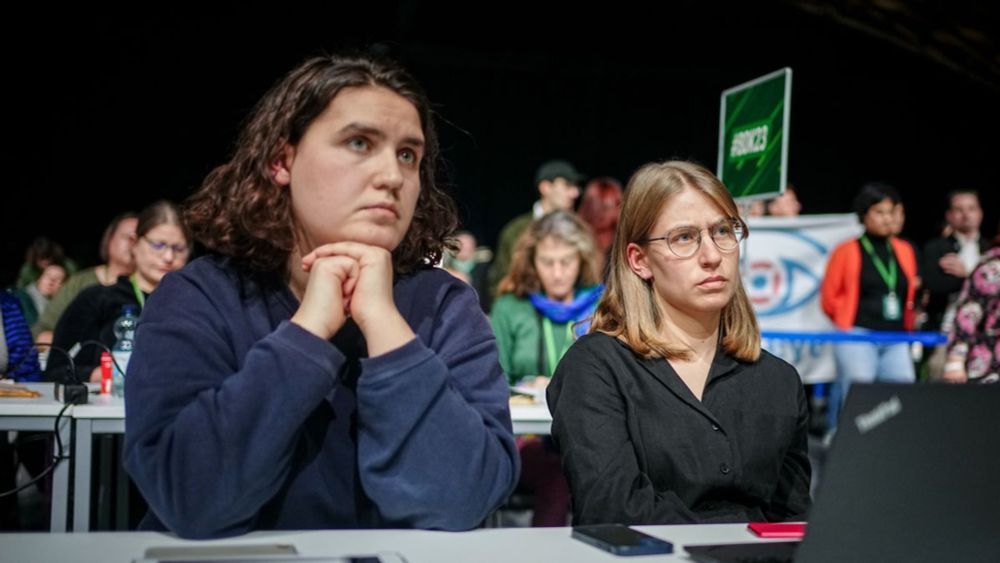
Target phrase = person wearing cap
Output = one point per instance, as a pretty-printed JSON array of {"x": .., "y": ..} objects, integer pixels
[{"x": 558, "y": 184}]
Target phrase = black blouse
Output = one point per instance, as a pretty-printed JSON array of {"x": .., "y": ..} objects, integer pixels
[{"x": 639, "y": 448}]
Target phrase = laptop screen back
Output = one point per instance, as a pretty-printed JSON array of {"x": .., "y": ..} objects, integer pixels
[{"x": 913, "y": 475}]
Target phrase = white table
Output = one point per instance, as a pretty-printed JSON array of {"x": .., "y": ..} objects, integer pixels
[
  {"x": 523, "y": 545},
  {"x": 103, "y": 414},
  {"x": 39, "y": 414},
  {"x": 531, "y": 419}
]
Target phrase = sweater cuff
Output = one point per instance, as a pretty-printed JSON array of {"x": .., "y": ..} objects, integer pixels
[
  {"x": 388, "y": 365},
  {"x": 310, "y": 347}
]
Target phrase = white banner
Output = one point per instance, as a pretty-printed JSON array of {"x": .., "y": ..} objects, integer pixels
[{"x": 783, "y": 264}]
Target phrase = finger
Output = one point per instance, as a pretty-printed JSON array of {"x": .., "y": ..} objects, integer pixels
[
  {"x": 322, "y": 251},
  {"x": 364, "y": 253},
  {"x": 309, "y": 260},
  {"x": 348, "y": 248},
  {"x": 339, "y": 262},
  {"x": 350, "y": 284}
]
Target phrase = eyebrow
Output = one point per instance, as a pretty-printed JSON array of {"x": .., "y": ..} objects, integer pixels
[
  {"x": 361, "y": 128},
  {"x": 721, "y": 219}
]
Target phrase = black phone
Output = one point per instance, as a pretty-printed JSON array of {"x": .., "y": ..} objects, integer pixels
[{"x": 621, "y": 540}]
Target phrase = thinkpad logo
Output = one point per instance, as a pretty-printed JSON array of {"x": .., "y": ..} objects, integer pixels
[{"x": 881, "y": 413}]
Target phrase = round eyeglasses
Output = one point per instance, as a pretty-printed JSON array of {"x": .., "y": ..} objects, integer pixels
[
  {"x": 159, "y": 246},
  {"x": 685, "y": 241}
]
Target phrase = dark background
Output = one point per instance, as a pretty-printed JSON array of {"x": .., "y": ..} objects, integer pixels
[{"x": 111, "y": 108}]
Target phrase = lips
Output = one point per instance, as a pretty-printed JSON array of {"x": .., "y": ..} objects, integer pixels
[
  {"x": 712, "y": 281},
  {"x": 383, "y": 207}
]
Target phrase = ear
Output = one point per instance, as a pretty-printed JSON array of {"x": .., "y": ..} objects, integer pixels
[
  {"x": 637, "y": 261},
  {"x": 281, "y": 167}
]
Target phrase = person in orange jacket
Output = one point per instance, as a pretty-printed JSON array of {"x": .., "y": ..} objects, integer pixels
[{"x": 869, "y": 285}]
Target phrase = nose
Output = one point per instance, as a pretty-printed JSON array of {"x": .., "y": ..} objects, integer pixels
[
  {"x": 168, "y": 254},
  {"x": 389, "y": 174},
  {"x": 709, "y": 255},
  {"x": 559, "y": 271}
]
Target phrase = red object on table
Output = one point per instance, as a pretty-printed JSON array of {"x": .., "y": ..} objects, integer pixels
[
  {"x": 105, "y": 373},
  {"x": 778, "y": 529}
]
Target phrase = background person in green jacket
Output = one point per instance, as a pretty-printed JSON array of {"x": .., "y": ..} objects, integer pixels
[{"x": 551, "y": 286}]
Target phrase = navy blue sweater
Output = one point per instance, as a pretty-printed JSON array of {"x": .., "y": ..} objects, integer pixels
[{"x": 238, "y": 420}]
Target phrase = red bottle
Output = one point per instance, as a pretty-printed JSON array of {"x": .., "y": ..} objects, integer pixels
[{"x": 105, "y": 373}]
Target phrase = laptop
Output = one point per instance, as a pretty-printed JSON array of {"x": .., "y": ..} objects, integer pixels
[{"x": 913, "y": 475}]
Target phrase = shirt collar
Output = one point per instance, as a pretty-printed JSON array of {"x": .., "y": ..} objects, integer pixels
[
  {"x": 962, "y": 239},
  {"x": 537, "y": 211}
]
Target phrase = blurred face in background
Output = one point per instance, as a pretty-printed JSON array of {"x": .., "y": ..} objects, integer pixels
[
  {"x": 51, "y": 280},
  {"x": 558, "y": 266},
  {"x": 120, "y": 244},
  {"x": 466, "y": 246},
  {"x": 785, "y": 205},
  {"x": 558, "y": 194},
  {"x": 158, "y": 252},
  {"x": 898, "y": 219},
  {"x": 878, "y": 220},
  {"x": 965, "y": 215}
]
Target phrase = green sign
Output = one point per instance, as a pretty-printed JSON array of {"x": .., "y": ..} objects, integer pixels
[{"x": 753, "y": 136}]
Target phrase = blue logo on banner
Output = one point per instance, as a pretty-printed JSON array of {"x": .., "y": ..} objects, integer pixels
[{"x": 785, "y": 281}]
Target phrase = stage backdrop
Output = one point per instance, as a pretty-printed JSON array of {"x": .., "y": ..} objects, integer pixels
[{"x": 783, "y": 264}]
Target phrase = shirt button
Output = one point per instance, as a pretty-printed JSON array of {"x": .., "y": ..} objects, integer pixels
[
  {"x": 715, "y": 427},
  {"x": 724, "y": 469}
]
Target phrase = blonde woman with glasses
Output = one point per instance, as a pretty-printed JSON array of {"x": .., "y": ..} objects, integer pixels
[{"x": 669, "y": 412}]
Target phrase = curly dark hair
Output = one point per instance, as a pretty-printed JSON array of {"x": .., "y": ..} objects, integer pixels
[{"x": 241, "y": 212}]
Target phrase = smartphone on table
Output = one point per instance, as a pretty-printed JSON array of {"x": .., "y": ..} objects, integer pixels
[{"x": 621, "y": 540}]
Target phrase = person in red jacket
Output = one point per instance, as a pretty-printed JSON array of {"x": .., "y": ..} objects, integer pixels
[{"x": 869, "y": 285}]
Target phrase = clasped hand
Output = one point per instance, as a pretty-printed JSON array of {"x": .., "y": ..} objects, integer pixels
[{"x": 346, "y": 279}]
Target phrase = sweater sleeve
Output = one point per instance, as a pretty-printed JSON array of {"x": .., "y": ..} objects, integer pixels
[
  {"x": 210, "y": 436},
  {"x": 833, "y": 291},
  {"x": 435, "y": 446},
  {"x": 590, "y": 427}
]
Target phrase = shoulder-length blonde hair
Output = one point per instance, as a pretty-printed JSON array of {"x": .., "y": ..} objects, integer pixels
[
  {"x": 628, "y": 310},
  {"x": 564, "y": 226}
]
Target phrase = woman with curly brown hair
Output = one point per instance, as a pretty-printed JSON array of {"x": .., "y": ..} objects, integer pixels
[{"x": 315, "y": 371}]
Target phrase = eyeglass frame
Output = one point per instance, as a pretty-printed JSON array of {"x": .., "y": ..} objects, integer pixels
[
  {"x": 735, "y": 222},
  {"x": 159, "y": 246}
]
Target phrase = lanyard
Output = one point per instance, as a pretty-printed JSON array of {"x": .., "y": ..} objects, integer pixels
[
  {"x": 138, "y": 292},
  {"x": 888, "y": 274},
  {"x": 550, "y": 343}
]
